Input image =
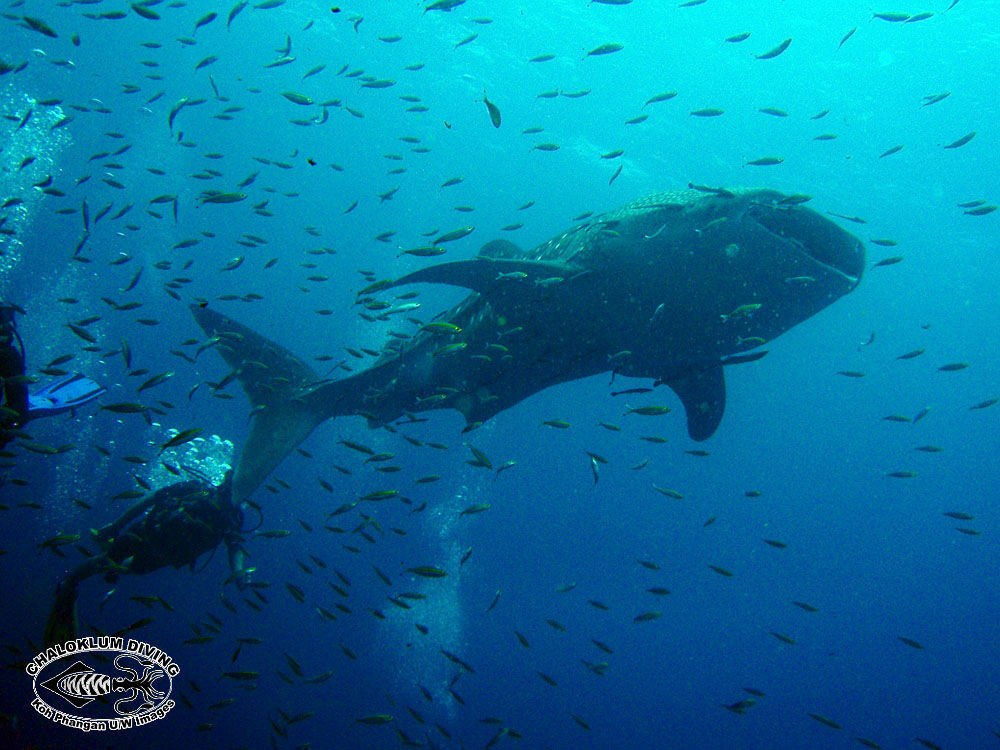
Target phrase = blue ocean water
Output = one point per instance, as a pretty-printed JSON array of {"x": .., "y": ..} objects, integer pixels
[{"x": 873, "y": 554}]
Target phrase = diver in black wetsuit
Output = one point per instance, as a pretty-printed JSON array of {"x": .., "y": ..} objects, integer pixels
[
  {"x": 14, "y": 393},
  {"x": 173, "y": 526}
]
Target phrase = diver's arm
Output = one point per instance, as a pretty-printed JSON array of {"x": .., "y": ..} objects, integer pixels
[
  {"x": 166, "y": 495},
  {"x": 106, "y": 533}
]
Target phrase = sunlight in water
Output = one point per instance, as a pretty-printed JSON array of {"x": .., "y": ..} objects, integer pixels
[
  {"x": 419, "y": 660},
  {"x": 32, "y": 142}
]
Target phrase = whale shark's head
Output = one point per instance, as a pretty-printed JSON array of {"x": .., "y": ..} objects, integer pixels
[
  {"x": 803, "y": 238},
  {"x": 739, "y": 268},
  {"x": 725, "y": 272},
  {"x": 766, "y": 263}
]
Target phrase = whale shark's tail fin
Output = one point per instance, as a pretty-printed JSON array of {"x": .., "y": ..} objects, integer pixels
[
  {"x": 275, "y": 431},
  {"x": 289, "y": 399},
  {"x": 276, "y": 381}
]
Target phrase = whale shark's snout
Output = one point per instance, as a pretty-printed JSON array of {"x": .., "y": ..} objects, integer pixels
[{"x": 804, "y": 231}]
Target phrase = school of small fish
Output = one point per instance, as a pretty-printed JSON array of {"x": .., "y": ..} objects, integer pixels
[{"x": 163, "y": 184}]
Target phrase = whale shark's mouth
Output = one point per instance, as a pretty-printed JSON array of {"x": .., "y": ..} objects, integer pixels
[{"x": 823, "y": 242}]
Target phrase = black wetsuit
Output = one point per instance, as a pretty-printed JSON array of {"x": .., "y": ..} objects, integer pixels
[
  {"x": 178, "y": 524},
  {"x": 13, "y": 395},
  {"x": 173, "y": 526}
]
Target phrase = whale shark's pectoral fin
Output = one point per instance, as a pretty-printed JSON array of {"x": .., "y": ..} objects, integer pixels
[
  {"x": 703, "y": 393},
  {"x": 491, "y": 275}
]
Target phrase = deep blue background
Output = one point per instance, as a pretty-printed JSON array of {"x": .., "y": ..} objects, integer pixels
[{"x": 874, "y": 554}]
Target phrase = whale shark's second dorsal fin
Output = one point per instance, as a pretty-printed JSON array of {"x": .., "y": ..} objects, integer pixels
[
  {"x": 489, "y": 275},
  {"x": 703, "y": 393}
]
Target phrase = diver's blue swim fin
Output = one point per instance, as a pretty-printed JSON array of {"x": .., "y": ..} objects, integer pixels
[{"x": 62, "y": 395}]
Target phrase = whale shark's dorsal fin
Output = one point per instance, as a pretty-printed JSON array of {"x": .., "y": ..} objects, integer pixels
[
  {"x": 276, "y": 382},
  {"x": 486, "y": 275},
  {"x": 501, "y": 249},
  {"x": 703, "y": 393}
]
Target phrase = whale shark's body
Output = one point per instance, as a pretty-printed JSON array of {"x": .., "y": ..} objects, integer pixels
[{"x": 672, "y": 287}]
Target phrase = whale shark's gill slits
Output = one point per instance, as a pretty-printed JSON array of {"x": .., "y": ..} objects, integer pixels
[
  {"x": 852, "y": 280},
  {"x": 821, "y": 240},
  {"x": 656, "y": 233}
]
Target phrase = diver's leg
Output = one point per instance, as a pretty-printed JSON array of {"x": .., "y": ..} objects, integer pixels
[
  {"x": 15, "y": 394},
  {"x": 62, "y": 395},
  {"x": 61, "y": 625}
]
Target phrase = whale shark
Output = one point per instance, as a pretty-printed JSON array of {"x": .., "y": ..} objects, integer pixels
[{"x": 674, "y": 287}]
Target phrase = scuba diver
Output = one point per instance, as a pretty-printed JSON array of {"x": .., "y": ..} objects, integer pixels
[
  {"x": 17, "y": 405},
  {"x": 173, "y": 526}
]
